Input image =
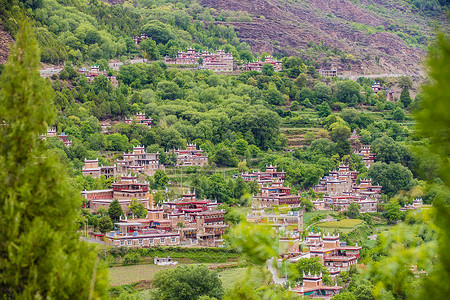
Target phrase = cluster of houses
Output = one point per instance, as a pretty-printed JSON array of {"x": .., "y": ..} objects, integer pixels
[
  {"x": 135, "y": 162},
  {"x": 376, "y": 87},
  {"x": 340, "y": 189},
  {"x": 335, "y": 255},
  {"x": 140, "y": 119},
  {"x": 185, "y": 220},
  {"x": 141, "y": 162},
  {"x": 219, "y": 61},
  {"x": 51, "y": 132},
  {"x": 191, "y": 156},
  {"x": 417, "y": 204},
  {"x": 91, "y": 72},
  {"x": 273, "y": 191},
  {"x": 367, "y": 156}
]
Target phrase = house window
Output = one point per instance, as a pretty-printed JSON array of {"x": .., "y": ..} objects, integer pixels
[
  {"x": 121, "y": 243},
  {"x": 173, "y": 240},
  {"x": 140, "y": 242},
  {"x": 151, "y": 241},
  {"x": 163, "y": 240},
  {"x": 129, "y": 242}
]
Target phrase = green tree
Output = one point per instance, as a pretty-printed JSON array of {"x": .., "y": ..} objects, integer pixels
[
  {"x": 323, "y": 110},
  {"x": 268, "y": 70},
  {"x": 345, "y": 296},
  {"x": 353, "y": 210},
  {"x": 241, "y": 146},
  {"x": 168, "y": 90},
  {"x": 273, "y": 96},
  {"x": 306, "y": 265},
  {"x": 148, "y": 46},
  {"x": 405, "y": 82},
  {"x": 340, "y": 132},
  {"x": 307, "y": 204},
  {"x": 398, "y": 114},
  {"x": 158, "y": 31},
  {"x": 105, "y": 224},
  {"x": 387, "y": 150},
  {"x": 115, "y": 210},
  {"x": 348, "y": 92},
  {"x": 392, "y": 177},
  {"x": 137, "y": 208},
  {"x": 188, "y": 282},
  {"x": 38, "y": 208},
  {"x": 405, "y": 98},
  {"x": 392, "y": 211},
  {"x": 161, "y": 179},
  {"x": 224, "y": 157}
]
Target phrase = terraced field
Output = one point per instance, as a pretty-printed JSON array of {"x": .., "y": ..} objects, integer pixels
[{"x": 345, "y": 226}]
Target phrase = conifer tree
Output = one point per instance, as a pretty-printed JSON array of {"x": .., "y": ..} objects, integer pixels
[
  {"x": 115, "y": 210},
  {"x": 41, "y": 255},
  {"x": 405, "y": 98}
]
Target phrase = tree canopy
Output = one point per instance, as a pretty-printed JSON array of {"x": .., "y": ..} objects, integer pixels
[{"x": 38, "y": 207}]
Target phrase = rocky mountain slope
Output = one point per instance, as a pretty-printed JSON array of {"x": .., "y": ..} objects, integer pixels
[
  {"x": 374, "y": 36},
  {"x": 5, "y": 40}
]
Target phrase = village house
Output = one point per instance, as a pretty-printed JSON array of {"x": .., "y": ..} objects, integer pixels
[
  {"x": 328, "y": 72},
  {"x": 186, "y": 220},
  {"x": 91, "y": 168},
  {"x": 138, "y": 39},
  {"x": 140, "y": 119},
  {"x": 273, "y": 191},
  {"x": 287, "y": 226},
  {"x": 340, "y": 190},
  {"x": 218, "y": 61},
  {"x": 313, "y": 287},
  {"x": 277, "y": 194},
  {"x": 376, "y": 87},
  {"x": 258, "y": 65},
  {"x": 51, "y": 132},
  {"x": 136, "y": 162},
  {"x": 191, "y": 156},
  {"x": 265, "y": 177},
  {"x": 137, "y": 235},
  {"x": 334, "y": 254},
  {"x": 417, "y": 204},
  {"x": 196, "y": 220},
  {"x": 367, "y": 156},
  {"x": 124, "y": 191}
]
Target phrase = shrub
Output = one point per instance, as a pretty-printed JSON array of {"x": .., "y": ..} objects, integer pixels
[{"x": 131, "y": 259}]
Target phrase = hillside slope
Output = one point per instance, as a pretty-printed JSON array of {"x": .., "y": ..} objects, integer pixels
[
  {"x": 374, "y": 32},
  {"x": 5, "y": 41}
]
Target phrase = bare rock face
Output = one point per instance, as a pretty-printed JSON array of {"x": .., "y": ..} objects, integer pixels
[
  {"x": 291, "y": 25},
  {"x": 5, "y": 41}
]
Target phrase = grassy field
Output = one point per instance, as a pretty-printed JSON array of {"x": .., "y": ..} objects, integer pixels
[
  {"x": 307, "y": 216},
  {"x": 345, "y": 226},
  {"x": 230, "y": 276},
  {"x": 243, "y": 210},
  {"x": 132, "y": 274},
  {"x": 137, "y": 273}
]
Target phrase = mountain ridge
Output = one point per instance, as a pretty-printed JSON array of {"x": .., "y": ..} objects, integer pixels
[{"x": 286, "y": 26}]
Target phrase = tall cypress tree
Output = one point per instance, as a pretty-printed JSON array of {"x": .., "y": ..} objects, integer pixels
[
  {"x": 405, "y": 98},
  {"x": 41, "y": 255}
]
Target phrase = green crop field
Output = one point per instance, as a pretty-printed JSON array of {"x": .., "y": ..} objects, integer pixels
[
  {"x": 346, "y": 225},
  {"x": 132, "y": 274},
  {"x": 230, "y": 276}
]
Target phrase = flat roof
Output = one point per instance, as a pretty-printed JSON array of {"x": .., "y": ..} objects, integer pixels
[{"x": 129, "y": 224}]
